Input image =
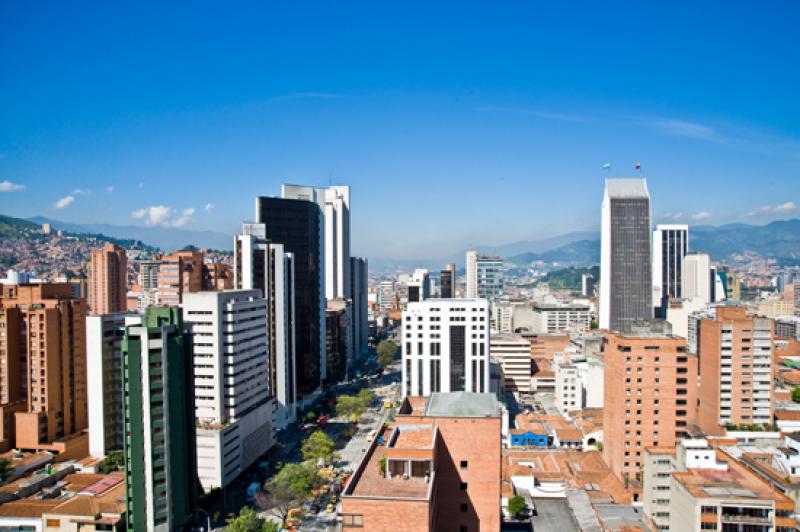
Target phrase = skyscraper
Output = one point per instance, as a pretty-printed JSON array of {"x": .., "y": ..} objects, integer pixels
[
  {"x": 698, "y": 278},
  {"x": 265, "y": 266},
  {"x": 448, "y": 282},
  {"x": 298, "y": 224},
  {"x": 108, "y": 280},
  {"x": 670, "y": 246},
  {"x": 625, "y": 268},
  {"x": 160, "y": 457},
  {"x": 360, "y": 322},
  {"x": 484, "y": 276},
  {"x": 43, "y": 361},
  {"x": 233, "y": 407},
  {"x": 419, "y": 287}
]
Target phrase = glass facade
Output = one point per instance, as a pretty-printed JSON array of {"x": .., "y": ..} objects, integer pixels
[{"x": 631, "y": 286}]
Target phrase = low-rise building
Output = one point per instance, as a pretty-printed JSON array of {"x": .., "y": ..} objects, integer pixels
[{"x": 513, "y": 354}]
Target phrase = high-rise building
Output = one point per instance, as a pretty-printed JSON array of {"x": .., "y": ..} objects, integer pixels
[
  {"x": 360, "y": 322},
  {"x": 650, "y": 394},
  {"x": 104, "y": 335},
  {"x": 447, "y": 283},
  {"x": 386, "y": 295},
  {"x": 108, "y": 280},
  {"x": 735, "y": 353},
  {"x": 148, "y": 282},
  {"x": 265, "y": 266},
  {"x": 334, "y": 203},
  {"x": 233, "y": 406},
  {"x": 43, "y": 377},
  {"x": 337, "y": 331},
  {"x": 587, "y": 285},
  {"x": 698, "y": 277},
  {"x": 445, "y": 346},
  {"x": 625, "y": 267},
  {"x": 178, "y": 273},
  {"x": 160, "y": 462},
  {"x": 569, "y": 387},
  {"x": 670, "y": 246},
  {"x": 484, "y": 276},
  {"x": 419, "y": 286},
  {"x": 298, "y": 225},
  {"x": 797, "y": 297}
]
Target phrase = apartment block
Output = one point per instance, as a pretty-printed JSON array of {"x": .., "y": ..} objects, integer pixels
[
  {"x": 556, "y": 318},
  {"x": 445, "y": 346},
  {"x": 484, "y": 276},
  {"x": 650, "y": 394},
  {"x": 104, "y": 335},
  {"x": 438, "y": 467},
  {"x": 735, "y": 354},
  {"x": 160, "y": 467},
  {"x": 108, "y": 280},
  {"x": 513, "y": 355},
  {"x": 43, "y": 401},
  {"x": 569, "y": 387},
  {"x": 179, "y": 273},
  {"x": 338, "y": 330}
]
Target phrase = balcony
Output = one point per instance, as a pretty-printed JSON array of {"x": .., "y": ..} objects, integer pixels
[{"x": 747, "y": 516}]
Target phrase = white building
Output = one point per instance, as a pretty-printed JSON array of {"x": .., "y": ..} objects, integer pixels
[
  {"x": 419, "y": 286},
  {"x": 698, "y": 280},
  {"x": 569, "y": 387},
  {"x": 104, "y": 335},
  {"x": 505, "y": 314},
  {"x": 445, "y": 346},
  {"x": 592, "y": 374},
  {"x": 484, "y": 276},
  {"x": 554, "y": 318},
  {"x": 386, "y": 295},
  {"x": 233, "y": 408},
  {"x": 263, "y": 265},
  {"x": 513, "y": 354},
  {"x": 670, "y": 246}
]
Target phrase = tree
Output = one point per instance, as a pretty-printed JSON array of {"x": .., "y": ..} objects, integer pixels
[
  {"x": 366, "y": 397},
  {"x": 318, "y": 446},
  {"x": 5, "y": 468},
  {"x": 249, "y": 521},
  {"x": 387, "y": 350},
  {"x": 288, "y": 488},
  {"x": 351, "y": 407},
  {"x": 516, "y": 506},
  {"x": 114, "y": 461},
  {"x": 796, "y": 394}
]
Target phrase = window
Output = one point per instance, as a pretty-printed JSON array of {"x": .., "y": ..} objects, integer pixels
[
  {"x": 463, "y": 528},
  {"x": 463, "y": 486},
  {"x": 463, "y": 508},
  {"x": 464, "y": 464},
  {"x": 353, "y": 520}
]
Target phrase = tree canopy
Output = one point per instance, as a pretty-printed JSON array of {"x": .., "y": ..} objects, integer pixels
[
  {"x": 354, "y": 406},
  {"x": 516, "y": 505},
  {"x": 249, "y": 521},
  {"x": 318, "y": 446},
  {"x": 387, "y": 350}
]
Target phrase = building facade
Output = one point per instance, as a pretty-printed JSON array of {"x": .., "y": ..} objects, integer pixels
[
  {"x": 670, "y": 246},
  {"x": 513, "y": 354},
  {"x": 556, "y": 318},
  {"x": 447, "y": 282},
  {"x": 419, "y": 286},
  {"x": 445, "y": 346},
  {"x": 359, "y": 269},
  {"x": 108, "y": 280},
  {"x": 484, "y": 276},
  {"x": 625, "y": 255}
]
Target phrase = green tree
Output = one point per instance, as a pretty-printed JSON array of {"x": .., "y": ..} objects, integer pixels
[
  {"x": 5, "y": 468},
  {"x": 387, "y": 351},
  {"x": 796, "y": 394},
  {"x": 516, "y": 506},
  {"x": 366, "y": 397},
  {"x": 318, "y": 445},
  {"x": 351, "y": 407},
  {"x": 289, "y": 487},
  {"x": 249, "y": 521},
  {"x": 114, "y": 461}
]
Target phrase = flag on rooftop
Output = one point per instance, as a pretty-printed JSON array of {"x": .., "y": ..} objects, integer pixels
[{"x": 607, "y": 166}]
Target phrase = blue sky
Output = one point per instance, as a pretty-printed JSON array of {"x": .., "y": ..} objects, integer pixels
[{"x": 455, "y": 123}]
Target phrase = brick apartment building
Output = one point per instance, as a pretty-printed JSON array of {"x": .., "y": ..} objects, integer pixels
[
  {"x": 438, "y": 467},
  {"x": 650, "y": 394},
  {"x": 43, "y": 369},
  {"x": 108, "y": 280}
]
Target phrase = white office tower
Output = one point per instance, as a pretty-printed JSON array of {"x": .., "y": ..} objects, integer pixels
[
  {"x": 419, "y": 287},
  {"x": 698, "y": 278},
  {"x": 670, "y": 246},
  {"x": 445, "y": 346},
  {"x": 334, "y": 202},
  {"x": 264, "y": 266},
  {"x": 360, "y": 322},
  {"x": 626, "y": 289},
  {"x": 233, "y": 407},
  {"x": 484, "y": 276},
  {"x": 569, "y": 387},
  {"x": 104, "y": 334}
]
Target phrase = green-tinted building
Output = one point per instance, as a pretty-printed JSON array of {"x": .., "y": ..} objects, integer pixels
[{"x": 160, "y": 449}]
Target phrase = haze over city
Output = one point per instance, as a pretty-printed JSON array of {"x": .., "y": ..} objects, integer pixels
[{"x": 471, "y": 117}]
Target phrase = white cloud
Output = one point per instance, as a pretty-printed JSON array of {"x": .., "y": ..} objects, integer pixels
[
  {"x": 680, "y": 128},
  {"x": 765, "y": 209},
  {"x": 162, "y": 215},
  {"x": 672, "y": 215},
  {"x": 110, "y": 189},
  {"x": 209, "y": 206},
  {"x": 8, "y": 186},
  {"x": 702, "y": 215},
  {"x": 64, "y": 202}
]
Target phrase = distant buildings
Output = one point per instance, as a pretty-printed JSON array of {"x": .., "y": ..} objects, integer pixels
[
  {"x": 625, "y": 255},
  {"x": 670, "y": 246},
  {"x": 555, "y": 318},
  {"x": 184, "y": 272},
  {"x": 484, "y": 276},
  {"x": 43, "y": 388},
  {"x": 587, "y": 285},
  {"x": 108, "y": 280},
  {"x": 650, "y": 394},
  {"x": 735, "y": 354},
  {"x": 445, "y": 346},
  {"x": 104, "y": 335},
  {"x": 233, "y": 406},
  {"x": 419, "y": 286},
  {"x": 160, "y": 467},
  {"x": 438, "y": 467},
  {"x": 448, "y": 282},
  {"x": 386, "y": 299}
]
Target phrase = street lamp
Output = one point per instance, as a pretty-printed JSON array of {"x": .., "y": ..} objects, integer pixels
[{"x": 208, "y": 519}]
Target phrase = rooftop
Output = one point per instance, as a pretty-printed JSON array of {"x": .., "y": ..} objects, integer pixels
[
  {"x": 626, "y": 188},
  {"x": 462, "y": 404}
]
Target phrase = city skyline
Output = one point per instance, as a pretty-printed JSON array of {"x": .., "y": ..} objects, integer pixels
[{"x": 152, "y": 132}]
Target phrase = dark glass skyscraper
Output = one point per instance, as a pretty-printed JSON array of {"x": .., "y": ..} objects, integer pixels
[
  {"x": 626, "y": 289},
  {"x": 297, "y": 225}
]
